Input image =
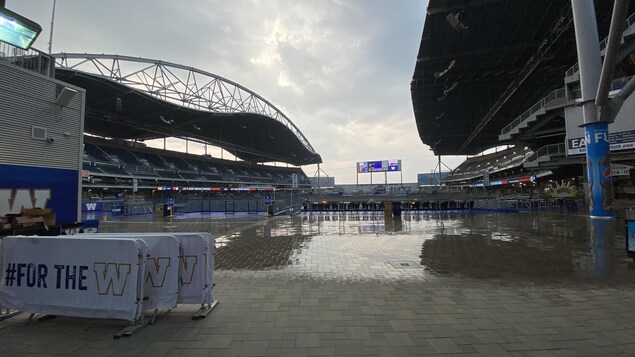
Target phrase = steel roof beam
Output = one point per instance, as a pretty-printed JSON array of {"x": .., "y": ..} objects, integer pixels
[{"x": 553, "y": 34}]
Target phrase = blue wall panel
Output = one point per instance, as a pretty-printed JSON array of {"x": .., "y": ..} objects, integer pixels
[{"x": 20, "y": 185}]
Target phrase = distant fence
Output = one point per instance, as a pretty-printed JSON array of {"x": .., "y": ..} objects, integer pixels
[{"x": 228, "y": 205}]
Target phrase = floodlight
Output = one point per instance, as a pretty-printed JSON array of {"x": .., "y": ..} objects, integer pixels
[
  {"x": 65, "y": 97},
  {"x": 17, "y": 30}
]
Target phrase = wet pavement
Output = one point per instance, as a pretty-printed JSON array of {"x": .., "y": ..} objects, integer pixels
[
  {"x": 361, "y": 284},
  {"x": 501, "y": 248}
]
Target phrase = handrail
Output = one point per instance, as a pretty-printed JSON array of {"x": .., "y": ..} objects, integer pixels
[
  {"x": 31, "y": 59},
  {"x": 616, "y": 84},
  {"x": 556, "y": 94},
  {"x": 629, "y": 22},
  {"x": 550, "y": 150}
]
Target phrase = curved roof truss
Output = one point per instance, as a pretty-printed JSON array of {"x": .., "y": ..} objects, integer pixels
[{"x": 186, "y": 86}]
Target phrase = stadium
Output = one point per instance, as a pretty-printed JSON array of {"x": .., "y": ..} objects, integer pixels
[
  {"x": 130, "y": 100},
  {"x": 482, "y": 82},
  {"x": 137, "y": 193}
]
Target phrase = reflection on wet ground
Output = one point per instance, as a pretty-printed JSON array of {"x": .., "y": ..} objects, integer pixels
[{"x": 505, "y": 248}]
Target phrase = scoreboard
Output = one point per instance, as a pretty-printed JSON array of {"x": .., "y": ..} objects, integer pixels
[{"x": 379, "y": 166}]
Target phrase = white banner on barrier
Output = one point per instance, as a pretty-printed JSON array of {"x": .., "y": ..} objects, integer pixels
[
  {"x": 83, "y": 277},
  {"x": 197, "y": 264},
  {"x": 206, "y": 256},
  {"x": 162, "y": 268}
]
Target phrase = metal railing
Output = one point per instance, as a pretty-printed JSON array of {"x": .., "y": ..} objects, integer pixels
[
  {"x": 549, "y": 150},
  {"x": 629, "y": 22},
  {"x": 32, "y": 59},
  {"x": 556, "y": 94},
  {"x": 617, "y": 84}
]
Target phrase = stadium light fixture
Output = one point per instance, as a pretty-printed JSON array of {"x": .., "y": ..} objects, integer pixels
[
  {"x": 17, "y": 30},
  {"x": 65, "y": 97}
]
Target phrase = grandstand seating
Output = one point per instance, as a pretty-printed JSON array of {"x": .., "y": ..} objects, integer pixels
[
  {"x": 96, "y": 153},
  {"x": 111, "y": 159},
  {"x": 499, "y": 161}
]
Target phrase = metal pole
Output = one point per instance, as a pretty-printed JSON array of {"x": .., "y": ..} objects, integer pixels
[
  {"x": 319, "y": 183},
  {"x": 612, "y": 49},
  {"x": 52, "y": 23},
  {"x": 589, "y": 60},
  {"x": 439, "y": 172},
  {"x": 600, "y": 185}
]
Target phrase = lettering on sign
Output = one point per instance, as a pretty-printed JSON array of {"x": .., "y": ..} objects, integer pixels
[
  {"x": 156, "y": 271},
  {"x": 187, "y": 268},
  {"x": 111, "y": 277}
]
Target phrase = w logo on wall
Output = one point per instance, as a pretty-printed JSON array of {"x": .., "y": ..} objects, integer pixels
[{"x": 12, "y": 201}]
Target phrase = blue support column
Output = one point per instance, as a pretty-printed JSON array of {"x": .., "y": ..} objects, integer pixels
[{"x": 600, "y": 183}]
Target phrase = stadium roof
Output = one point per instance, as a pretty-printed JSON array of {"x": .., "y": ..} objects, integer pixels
[
  {"x": 483, "y": 62},
  {"x": 138, "y": 98}
]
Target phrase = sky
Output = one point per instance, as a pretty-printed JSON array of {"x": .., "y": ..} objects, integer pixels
[{"x": 339, "y": 69}]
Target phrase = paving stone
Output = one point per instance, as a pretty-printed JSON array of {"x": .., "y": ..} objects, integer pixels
[
  {"x": 444, "y": 345},
  {"x": 308, "y": 340}
]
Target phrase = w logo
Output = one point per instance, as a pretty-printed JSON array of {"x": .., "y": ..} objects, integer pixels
[
  {"x": 13, "y": 201},
  {"x": 156, "y": 270},
  {"x": 188, "y": 264},
  {"x": 91, "y": 206},
  {"x": 111, "y": 277}
]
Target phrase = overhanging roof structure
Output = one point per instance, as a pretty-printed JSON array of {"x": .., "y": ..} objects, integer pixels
[
  {"x": 139, "y": 98},
  {"x": 481, "y": 63}
]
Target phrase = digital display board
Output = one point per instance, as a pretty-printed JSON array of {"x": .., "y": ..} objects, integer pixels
[
  {"x": 17, "y": 30},
  {"x": 379, "y": 166}
]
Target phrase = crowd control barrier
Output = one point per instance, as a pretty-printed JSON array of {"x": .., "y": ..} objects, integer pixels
[
  {"x": 75, "y": 276},
  {"x": 162, "y": 272},
  {"x": 196, "y": 268}
]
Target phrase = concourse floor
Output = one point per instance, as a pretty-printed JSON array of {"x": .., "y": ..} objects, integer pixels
[{"x": 328, "y": 284}]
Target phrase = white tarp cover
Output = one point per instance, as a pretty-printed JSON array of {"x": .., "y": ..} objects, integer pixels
[
  {"x": 197, "y": 265},
  {"x": 82, "y": 277},
  {"x": 162, "y": 268}
]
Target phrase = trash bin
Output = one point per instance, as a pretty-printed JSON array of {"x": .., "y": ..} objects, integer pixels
[{"x": 158, "y": 210}]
